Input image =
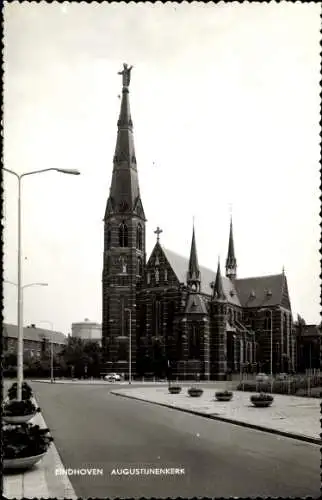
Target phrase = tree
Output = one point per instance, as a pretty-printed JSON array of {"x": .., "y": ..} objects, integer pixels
[{"x": 84, "y": 356}]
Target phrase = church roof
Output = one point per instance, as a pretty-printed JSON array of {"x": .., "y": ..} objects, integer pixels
[
  {"x": 196, "y": 304},
  {"x": 179, "y": 265},
  {"x": 262, "y": 291}
]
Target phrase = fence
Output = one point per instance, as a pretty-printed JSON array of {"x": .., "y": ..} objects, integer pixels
[{"x": 305, "y": 384}]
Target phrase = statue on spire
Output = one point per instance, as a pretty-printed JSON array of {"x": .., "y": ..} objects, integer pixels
[{"x": 126, "y": 75}]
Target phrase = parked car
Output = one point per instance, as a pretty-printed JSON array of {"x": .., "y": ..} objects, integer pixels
[
  {"x": 262, "y": 377},
  {"x": 113, "y": 377}
]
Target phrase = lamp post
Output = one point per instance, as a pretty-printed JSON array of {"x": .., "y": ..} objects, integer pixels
[
  {"x": 20, "y": 344},
  {"x": 19, "y": 301},
  {"x": 130, "y": 342},
  {"x": 51, "y": 349},
  {"x": 271, "y": 345}
]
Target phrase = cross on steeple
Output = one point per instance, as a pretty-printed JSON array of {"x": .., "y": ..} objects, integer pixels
[{"x": 158, "y": 231}]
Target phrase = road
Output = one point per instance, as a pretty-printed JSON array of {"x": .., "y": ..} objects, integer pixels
[{"x": 95, "y": 429}]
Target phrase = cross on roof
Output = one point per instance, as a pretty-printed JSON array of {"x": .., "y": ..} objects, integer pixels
[{"x": 158, "y": 231}]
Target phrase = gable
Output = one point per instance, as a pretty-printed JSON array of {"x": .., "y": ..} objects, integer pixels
[
  {"x": 158, "y": 260},
  {"x": 138, "y": 208},
  {"x": 285, "y": 299},
  {"x": 195, "y": 304}
]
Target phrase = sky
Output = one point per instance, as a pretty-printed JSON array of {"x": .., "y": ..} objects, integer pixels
[{"x": 225, "y": 105}]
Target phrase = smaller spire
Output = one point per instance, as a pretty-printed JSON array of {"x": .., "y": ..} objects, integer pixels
[
  {"x": 231, "y": 262},
  {"x": 158, "y": 231},
  {"x": 218, "y": 289},
  {"x": 193, "y": 274}
]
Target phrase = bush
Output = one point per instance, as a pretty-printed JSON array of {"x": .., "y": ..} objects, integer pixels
[
  {"x": 315, "y": 392},
  {"x": 224, "y": 395},
  {"x": 174, "y": 389},
  {"x": 195, "y": 391},
  {"x": 15, "y": 408},
  {"x": 25, "y": 440},
  {"x": 261, "y": 397},
  {"x": 26, "y": 391},
  {"x": 296, "y": 384}
]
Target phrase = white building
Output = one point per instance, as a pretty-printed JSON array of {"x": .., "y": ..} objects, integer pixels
[{"x": 87, "y": 330}]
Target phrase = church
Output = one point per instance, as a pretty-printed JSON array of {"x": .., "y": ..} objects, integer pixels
[{"x": 168, "y": 311}]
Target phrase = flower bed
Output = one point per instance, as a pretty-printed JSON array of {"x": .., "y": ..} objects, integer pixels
[
  {"x": 262, "y": 400},
  {"x": 174, "y": 389},
  {"x": 195, "y": 392},
  {"x": 224, "y": 395},
  {"x": 25, "y": 440},
  {"x": 17, "y": 412},
  {"x": 26, "y": 391}
]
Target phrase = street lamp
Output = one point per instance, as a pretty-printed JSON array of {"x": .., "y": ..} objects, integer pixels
[
  {"x": 271, "y": 344},
  {"x": 22, "y": 299},
  {"x": 51, "y": 349},
  {"x": 130, "y": 342},
  {"x": 20, "y": 326}
]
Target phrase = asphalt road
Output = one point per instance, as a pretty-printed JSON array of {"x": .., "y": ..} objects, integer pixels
[{"x": 95, "y": 429}]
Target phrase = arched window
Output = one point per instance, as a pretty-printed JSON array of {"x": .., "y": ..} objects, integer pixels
[
  {"x": 122, "y": 351},
  {"x": 139, "y": 266},
  {"x": 139, "y": 237},
  {"x": 123, "y": 235},
  {"x": 108, "y": 237},
  {"x": 194, "y": 342},
  {"x": 268, "y": 321}
]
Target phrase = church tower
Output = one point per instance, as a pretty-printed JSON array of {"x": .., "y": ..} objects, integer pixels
[
  {"x": 218, "y": 336},
  {"x": 124, "y": 244},
  {"x": 193, "y": 274},
  {"x": 231, "y": 262}
]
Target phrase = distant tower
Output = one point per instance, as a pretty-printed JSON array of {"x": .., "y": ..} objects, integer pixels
[
  {"x": 124, "y": 242},
  {"x": 193, "y": 274},
  {"x": 231, "y": 262},
  {"x": 218, "y": 336}
]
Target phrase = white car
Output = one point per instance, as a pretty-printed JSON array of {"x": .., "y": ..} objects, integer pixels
[
  {"x": 262, "y": 377},
  {"x": 113, "y": 377}
]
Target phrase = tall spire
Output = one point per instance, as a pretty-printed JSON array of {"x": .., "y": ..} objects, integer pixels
[
  {"x": 125, "y": 191},
  {"x": 231, "y": 262},
  {"x": 218, "y": 289},
  {"x": 193, "y": 275}
]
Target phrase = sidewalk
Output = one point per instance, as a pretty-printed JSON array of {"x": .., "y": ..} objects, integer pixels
[
  {"x": 230, "y": 385},
  {"x": 289, "y": 416},
  {"x": 40, "y": 481}
]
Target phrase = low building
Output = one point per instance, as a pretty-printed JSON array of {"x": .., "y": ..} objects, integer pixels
[
  {"x": 87, "y": 330},
  {"x": 308, "y": 346},
  {"x": 36, "y": 340}
]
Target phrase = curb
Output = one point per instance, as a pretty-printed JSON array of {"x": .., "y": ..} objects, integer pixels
[
  {"x": 269, "y": 430},
  {"x": 40, "y": 481}
]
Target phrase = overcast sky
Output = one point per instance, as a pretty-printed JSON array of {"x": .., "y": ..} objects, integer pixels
[{"x": 225, "y": 105}]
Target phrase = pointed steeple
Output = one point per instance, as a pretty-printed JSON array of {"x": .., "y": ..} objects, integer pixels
[
  {"x": 125, "y": 192},
  {"x": 193, "y": 274},
  {"x": 218, "y": 289},
  {"x": 231, "y": 262}
]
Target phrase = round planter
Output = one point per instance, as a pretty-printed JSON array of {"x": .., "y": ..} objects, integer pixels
[
  {"x": 174, "y": 390},
  {"x": 21, "y": 419},
  {"x": 195, "y": 393},
  {"x": 21, "y": 463},
  {"x": 223, "y": 397},
  {"x": 262, "y": 404}
]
